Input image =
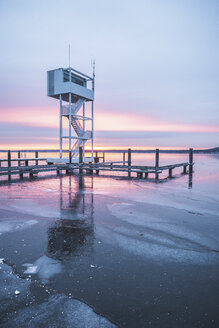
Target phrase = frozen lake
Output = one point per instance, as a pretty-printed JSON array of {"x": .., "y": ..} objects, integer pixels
[{"x": 106, "y": 252}]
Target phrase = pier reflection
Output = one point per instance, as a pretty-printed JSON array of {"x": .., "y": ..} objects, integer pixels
[
  {"x": 190, "y": 180},
  {"x": 73, "y": 234},
  {"x": 190, "y": 177}
]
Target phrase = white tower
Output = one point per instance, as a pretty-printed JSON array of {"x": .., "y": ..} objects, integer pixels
[{"x": 72, "y": 89}]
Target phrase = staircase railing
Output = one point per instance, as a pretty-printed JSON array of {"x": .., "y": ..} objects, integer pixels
[
  {"x": 77, "y": 126},
  {"x": 83, "y": 135}
]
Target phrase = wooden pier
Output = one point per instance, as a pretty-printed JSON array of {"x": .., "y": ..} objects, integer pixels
[{"x": 33, "y": 165}]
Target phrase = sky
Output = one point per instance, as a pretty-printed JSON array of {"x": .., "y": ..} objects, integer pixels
[{"x": 157, "y": 70}]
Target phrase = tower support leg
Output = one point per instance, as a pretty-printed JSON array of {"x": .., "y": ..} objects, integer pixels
[{"x": 60, "y": 126}]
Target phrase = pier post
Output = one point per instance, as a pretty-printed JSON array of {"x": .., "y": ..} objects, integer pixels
[
  {"x": 80, "y": 159},
  {"x": 190, "y": 160},
  {"x": 69, "y": 156},
  {"x": 96, "y": 159},
  {"x": 19, "y": 164},
  {"x": 123, "y": 158},
  {"x": 129, "y": 162},
  {"x": 184, "y": 169},
  {"x": 104, "y": 157},
  {"x": 170, "y": 173},
  {"x": 190, "y": 166},
  {"x": 157, "y": 158},
  {"x": 139, "y": 174},
  {"x": 36, "y": 156},
  {"x": 9, "y": 163},
  {"x": 156, "y": 163},
  {"x": 19, "y": 156},
  {"x": 146, "y": 175},
  {"x": 190, "y": 180},
  {"x": 9, "y": 158},
  {"x": 90, "y": 171}
]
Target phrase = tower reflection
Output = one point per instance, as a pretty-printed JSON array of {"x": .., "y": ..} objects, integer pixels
[{"x": 73, "y": 234}]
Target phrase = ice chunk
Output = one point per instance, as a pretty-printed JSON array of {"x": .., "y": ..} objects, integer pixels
[
  {"x": 31, "y": 269},
  {"x": 45, "y": 267}
]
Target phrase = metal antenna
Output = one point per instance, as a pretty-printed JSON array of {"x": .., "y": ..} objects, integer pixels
[
  {"x": 69, "y": 55},
  {"x": 94, "y": 67}
]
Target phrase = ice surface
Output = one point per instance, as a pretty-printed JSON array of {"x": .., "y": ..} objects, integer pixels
[
  {"x": 161, "y": 237},
  {"x": 45, "y": 267},
  {"x": 163, "y": 221},
  {"x": 180, "y": 199},
  {"x": 13, "y": 224},
  {"x": 32, "y": 207},
  {"x": 155, "y": 251},
  {"x": 57, "y": 311},
  {"x": 9, "y": 284},
  {"x": 159, "y": 227}
]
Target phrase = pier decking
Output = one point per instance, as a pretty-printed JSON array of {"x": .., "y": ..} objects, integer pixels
[{"x": 33, "y": 165}]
